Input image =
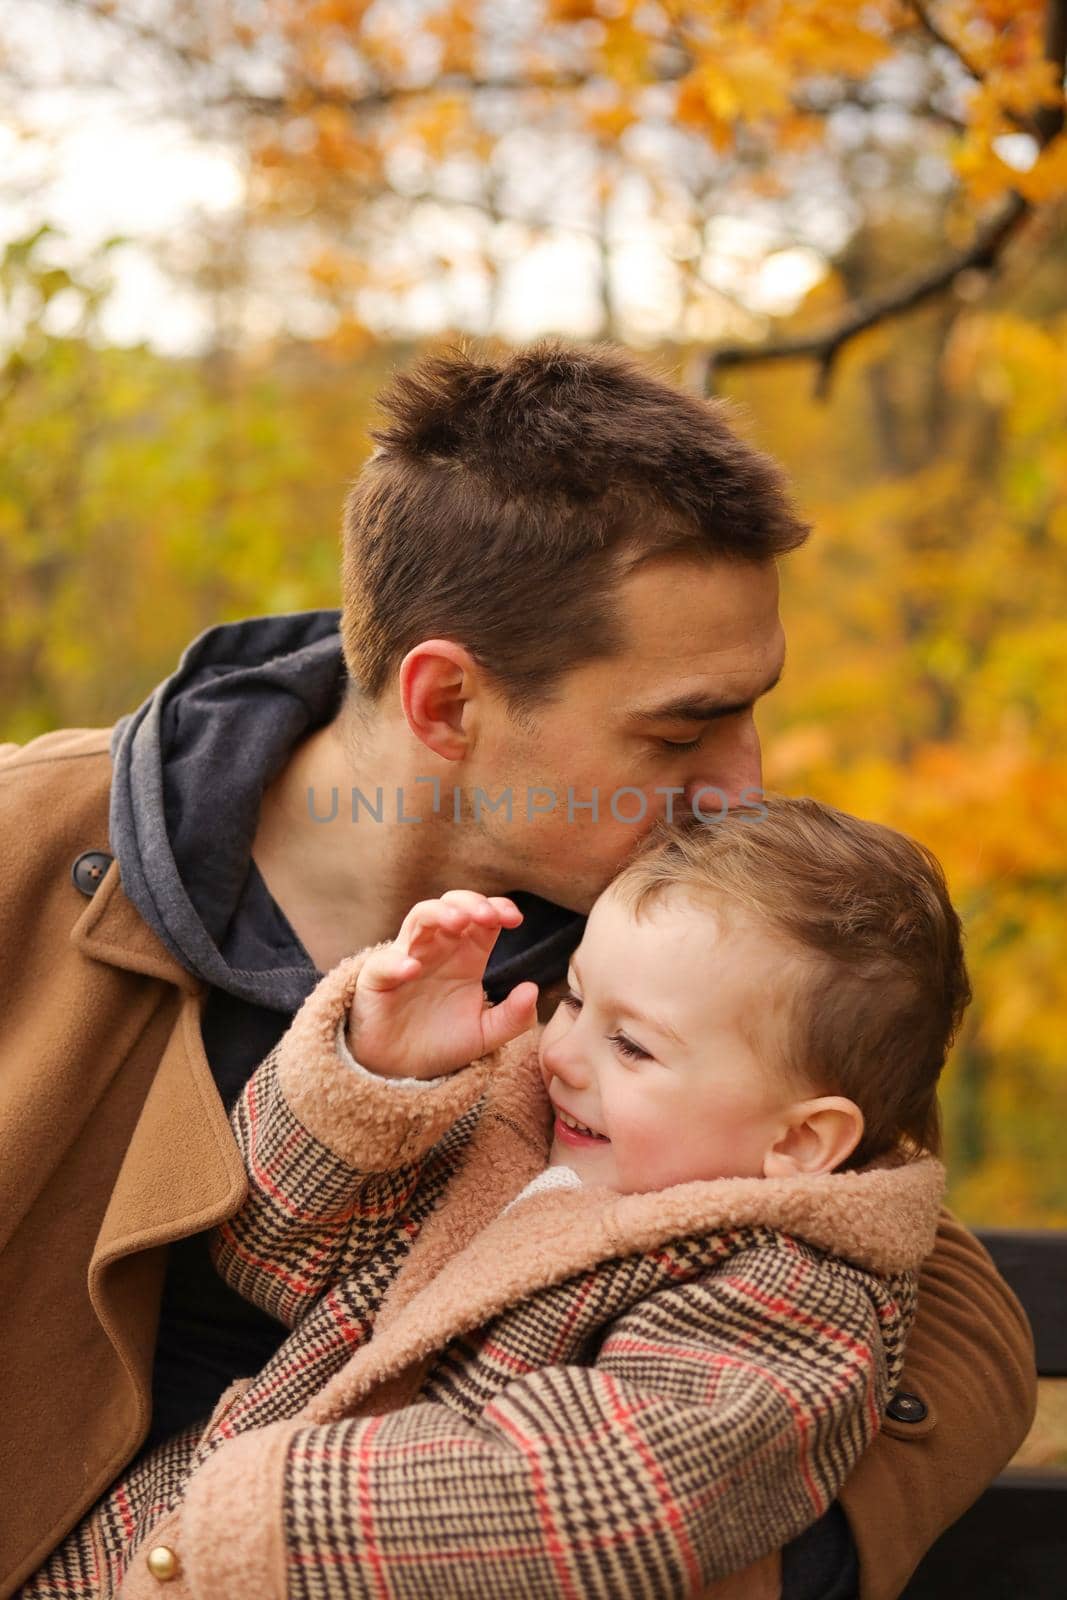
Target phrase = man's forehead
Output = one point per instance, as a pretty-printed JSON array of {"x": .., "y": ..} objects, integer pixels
[
  {"x": 715, "y": 586},
  {"x": 706, "y": 635}
]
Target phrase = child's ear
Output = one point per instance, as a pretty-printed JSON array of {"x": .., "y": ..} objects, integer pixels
[{"x": 819, "y": 1136}]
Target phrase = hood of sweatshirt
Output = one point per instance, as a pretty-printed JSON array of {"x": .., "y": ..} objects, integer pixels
[{"x": 190, "y": 768}]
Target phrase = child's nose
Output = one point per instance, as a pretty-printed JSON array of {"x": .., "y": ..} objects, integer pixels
[{"x": 565, "y": 1061}]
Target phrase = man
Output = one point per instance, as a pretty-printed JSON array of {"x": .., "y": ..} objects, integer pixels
[{"x": 559, "y": 612}]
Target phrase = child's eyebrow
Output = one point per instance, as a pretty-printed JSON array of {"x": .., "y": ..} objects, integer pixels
[{"x": 664, "y": 1029}]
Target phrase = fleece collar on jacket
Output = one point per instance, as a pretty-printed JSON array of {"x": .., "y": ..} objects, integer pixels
[{"x": 471, "y": 1261}]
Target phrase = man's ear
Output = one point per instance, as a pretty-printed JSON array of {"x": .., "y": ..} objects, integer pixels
[
  {"x": 819, "y": 1136},
  {"x": 437, "y": 681}
]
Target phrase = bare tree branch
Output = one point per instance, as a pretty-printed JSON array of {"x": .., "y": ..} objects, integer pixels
[
  {"x": 671, "y": 69},
  {"x": 385, "y": 95},
  {"x": 102, "y": 12},
  {"x": 981, "y": 255},
  {"x": 1050, "y": 119},
  {"x": 860, "y": 96},
  {"x": 938, "y": 35},
  {"x": 826, "y": 346}
]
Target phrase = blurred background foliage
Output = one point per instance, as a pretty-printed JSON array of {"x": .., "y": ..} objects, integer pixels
[{"x": 904, "y": 165}]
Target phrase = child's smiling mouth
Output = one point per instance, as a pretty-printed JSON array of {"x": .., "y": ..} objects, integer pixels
[{"x": 571, "y": 1131}]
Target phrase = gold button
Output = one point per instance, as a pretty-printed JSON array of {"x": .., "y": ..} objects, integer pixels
[{"x": 163, "y": 1563}]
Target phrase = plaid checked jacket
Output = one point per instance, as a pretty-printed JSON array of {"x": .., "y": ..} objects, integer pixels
[{"x": 588, "y": 1394}]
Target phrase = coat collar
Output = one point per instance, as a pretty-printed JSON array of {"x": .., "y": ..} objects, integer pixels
[
  {"x": 883, "y": 1218},
  {"x": 470, "y": 1262}
]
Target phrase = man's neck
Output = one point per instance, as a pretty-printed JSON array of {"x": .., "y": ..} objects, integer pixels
[{"x": 347, "y": 881}]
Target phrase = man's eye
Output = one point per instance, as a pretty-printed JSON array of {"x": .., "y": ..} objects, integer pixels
[{"x": 682, "y": 744}]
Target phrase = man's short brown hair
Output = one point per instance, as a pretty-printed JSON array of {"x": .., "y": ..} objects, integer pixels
[
  {"x": 882, "y": 984},
  {"x": 507, "y": 498}
]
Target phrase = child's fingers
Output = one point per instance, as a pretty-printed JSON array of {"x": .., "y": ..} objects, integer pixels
[
  {"x": 487, "y": 914},
  {"x": 509, "y": 911},
  {"x": 456, "y": 910},
  {"x": 426, "y": 920},
  {"x": 510, "y": 1018},
  {"x": 451, "y": 918},
  {"x": 433, "y": 929},
  {"x": 388, "y": 969},
  {"x": 437, "y": 943},
  {"x": 488, "y": 911}
]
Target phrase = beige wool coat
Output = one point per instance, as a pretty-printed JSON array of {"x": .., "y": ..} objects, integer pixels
[
  {"x": 116, "y": 1143},
  {"x": 587, "y": 1394}
]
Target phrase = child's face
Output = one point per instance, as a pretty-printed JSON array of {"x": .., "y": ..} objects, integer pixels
[{"x": 700, "y": 1003}]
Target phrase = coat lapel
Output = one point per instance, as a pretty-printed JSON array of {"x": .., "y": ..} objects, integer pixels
[
  {"x": 182, "y": 1170},
  {"x": 110, "y": 929}
]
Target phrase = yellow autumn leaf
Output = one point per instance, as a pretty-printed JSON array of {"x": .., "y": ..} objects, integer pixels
[
  {"x": 1047, "y": 178},
  {"x": 982, "y": 171},
  {"x": 1022, "y": 87}
]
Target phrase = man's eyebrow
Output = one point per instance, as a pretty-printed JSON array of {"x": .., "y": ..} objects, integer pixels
[
  {"x": 662, "y": 1028},
  {"x": 688, "y": 709}
]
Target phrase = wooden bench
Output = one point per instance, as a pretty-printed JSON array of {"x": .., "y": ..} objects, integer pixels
[{"x": 1012, "y": 1544}]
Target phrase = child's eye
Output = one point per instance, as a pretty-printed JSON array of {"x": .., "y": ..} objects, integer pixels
[
  {"x": 627, "y": 1047},
  {"x": 571, "y": 1001}
]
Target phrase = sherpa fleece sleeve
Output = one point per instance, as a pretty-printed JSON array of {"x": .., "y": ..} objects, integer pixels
[
  {"x": 719, "y": 1419},
  {"x": 338, "y": 1159}
]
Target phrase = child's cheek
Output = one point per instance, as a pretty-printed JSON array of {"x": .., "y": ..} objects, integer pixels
[{"x": 639, "y": 1146}]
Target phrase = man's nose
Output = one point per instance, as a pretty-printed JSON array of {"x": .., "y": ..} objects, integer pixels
[{"x": 733, "y": 770}]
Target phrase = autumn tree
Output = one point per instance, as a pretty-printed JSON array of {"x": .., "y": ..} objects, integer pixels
[
  {"x": 912, "y": 156},
  {"x": 438, "y": 140}
]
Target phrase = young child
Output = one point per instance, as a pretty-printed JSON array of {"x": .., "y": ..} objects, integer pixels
[{"x": 606, "y": 1308}]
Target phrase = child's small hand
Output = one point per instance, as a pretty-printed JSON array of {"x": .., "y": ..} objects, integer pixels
[{"x": 419, "y": 1010}]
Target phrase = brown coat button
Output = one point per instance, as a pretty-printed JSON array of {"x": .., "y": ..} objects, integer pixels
[
  {"x": 906, "y": 1408},
  {"x": 87, "y": 873}
]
